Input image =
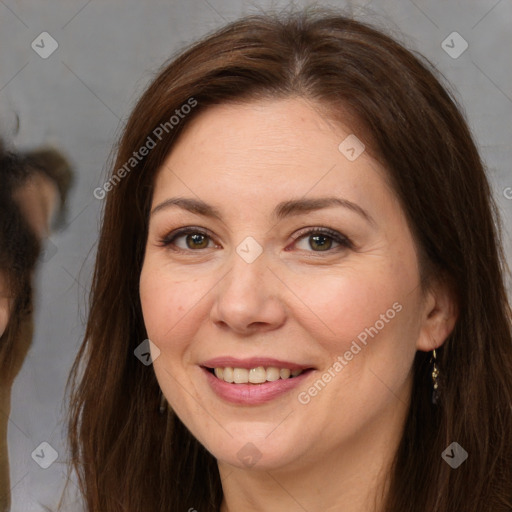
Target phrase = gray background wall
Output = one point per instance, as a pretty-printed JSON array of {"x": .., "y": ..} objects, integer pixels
[{"x": 79, "y": 97}]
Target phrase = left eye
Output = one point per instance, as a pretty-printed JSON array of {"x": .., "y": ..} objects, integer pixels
[{"x": 320, "y": 239}]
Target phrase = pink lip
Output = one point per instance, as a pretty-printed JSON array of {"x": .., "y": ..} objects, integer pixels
[
  {"x": 253, "y": 362},
  {"x": 252, "y": 394}
]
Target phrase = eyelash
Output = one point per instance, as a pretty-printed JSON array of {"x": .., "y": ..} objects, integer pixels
[{"x": 344, "y": 242}]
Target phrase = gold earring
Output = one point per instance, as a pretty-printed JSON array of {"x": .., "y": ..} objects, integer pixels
[
  {"x": 435, "y": 378},
  {"x": 163, "y": 404}
]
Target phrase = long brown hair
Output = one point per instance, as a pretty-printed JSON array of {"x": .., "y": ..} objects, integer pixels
[{"x": 127, "y": 456}]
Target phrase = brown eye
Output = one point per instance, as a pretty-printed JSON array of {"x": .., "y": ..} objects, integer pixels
[
  {"x": 194, "y": 239},
  {"x": 321, "y": 239},
  {"x": 322, "y": 242}
]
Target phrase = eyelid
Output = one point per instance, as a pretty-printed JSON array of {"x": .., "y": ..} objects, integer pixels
[
  {"x": 170, "y": 237},
  {"x": 319, "y": 230}
]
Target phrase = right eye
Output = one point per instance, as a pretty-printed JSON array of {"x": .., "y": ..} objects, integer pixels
[{"x": 195, "y": 238}]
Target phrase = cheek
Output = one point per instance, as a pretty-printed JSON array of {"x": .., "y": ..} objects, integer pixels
[
  {"x": 168, "y": 303},
  {"x": 341, "y": 307}
]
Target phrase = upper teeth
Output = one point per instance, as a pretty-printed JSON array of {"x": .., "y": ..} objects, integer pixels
[{"x": 254, "y": 375}]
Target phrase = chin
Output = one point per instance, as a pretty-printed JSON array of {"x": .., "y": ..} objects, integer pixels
[{"x": 258, "y": 453}]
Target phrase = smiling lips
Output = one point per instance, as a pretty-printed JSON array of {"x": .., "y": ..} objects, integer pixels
[
  {"x": 253, "y": 371},
  {"x": 256, "y": 375}
]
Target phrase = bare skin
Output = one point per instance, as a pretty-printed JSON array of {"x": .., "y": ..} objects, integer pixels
[
  {"x": 38, "y": 200},
  {"x": 294, "y": 303},
  {"x": 5, "y": 304}
]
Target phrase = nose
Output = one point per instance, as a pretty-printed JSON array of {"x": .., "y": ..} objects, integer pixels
[{"x": 249, "y": 298}]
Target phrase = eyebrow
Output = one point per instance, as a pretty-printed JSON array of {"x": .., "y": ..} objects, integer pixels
[{"x": 281, "y": 211}]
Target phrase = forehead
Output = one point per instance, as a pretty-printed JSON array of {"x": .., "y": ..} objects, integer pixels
[
  {"x": 269, "y": 149},
  {"x": 273, "y": 130}
]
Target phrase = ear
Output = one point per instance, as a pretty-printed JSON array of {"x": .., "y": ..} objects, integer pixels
[{"x": 440, "y": 312}]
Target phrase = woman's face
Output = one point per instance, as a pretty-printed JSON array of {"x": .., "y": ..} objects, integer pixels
[{"x": 253, "y": 291}]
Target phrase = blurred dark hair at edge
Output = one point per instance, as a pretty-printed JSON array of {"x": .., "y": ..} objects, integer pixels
[{"x": 19, "y": 247}]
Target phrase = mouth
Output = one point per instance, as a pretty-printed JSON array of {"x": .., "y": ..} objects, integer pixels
[
  {"x": 253, "y": 381},
  {"x": 257, "y": 375}
]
